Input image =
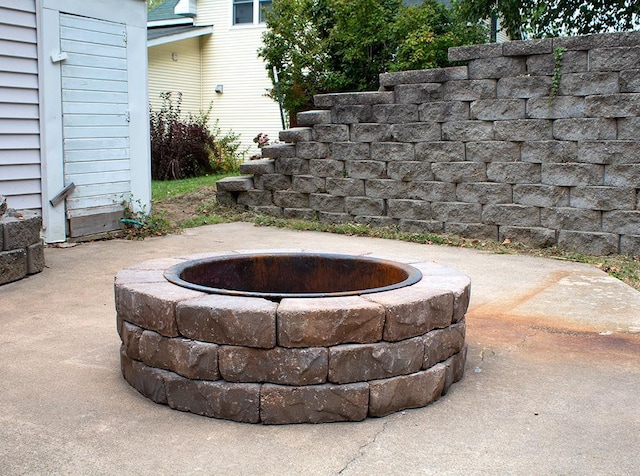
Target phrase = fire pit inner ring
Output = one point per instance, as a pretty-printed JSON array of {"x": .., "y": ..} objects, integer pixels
[{"x": 289, "y": 275}]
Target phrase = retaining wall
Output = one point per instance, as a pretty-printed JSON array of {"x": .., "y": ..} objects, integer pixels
[{"x": 488, "y": 150}]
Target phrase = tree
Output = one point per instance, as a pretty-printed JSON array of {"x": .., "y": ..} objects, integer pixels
[
  {"x": 321, "y": 46},
  {"x": 539, "y": 18}
]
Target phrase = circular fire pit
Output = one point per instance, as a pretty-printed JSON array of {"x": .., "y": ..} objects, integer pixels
[{"x": 291, "y": 337}]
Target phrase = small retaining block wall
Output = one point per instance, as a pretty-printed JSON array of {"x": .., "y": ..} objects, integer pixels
[
  {"x": 482, "y": 150},
  {"x": 21, "y": 249}
]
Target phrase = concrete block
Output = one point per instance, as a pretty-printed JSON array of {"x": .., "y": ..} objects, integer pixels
[
  {"x": 514, "y": 172},
  {"x": 441, "y": 151},
  {"x": 466, "y": 53},
  {"x": 418, "y": 93},
  {"x": 330, "y": 132},
  {"x": 230, "y": 320},
  {"x": 395, "y": 113},
  {"x": 21, "y": 230},
  {"x": 334, "y": 218},
  {"x": 258, "y": 167},
  {"x": 324, "y": 202},
  {"x": 392, "y": 151},
  {"x": 565, "y": 218},
  {"x": 349, "y": 151},
  {"x": 589, "y": 83},
  {"x": 484, "y": 192},
  {"x": 229, "y": 401},
  {"x": 436, "y": 75},
  {"x": 364, "y": 206},
  {"x": 292, "y": 166},
  {"x": 349, "y": 99},
  {"x": 598, "y": 244},
  {"x": 457, "y": 212},
  {"x": 498, "y": 109},
  {"x": 457, "y": 172},
  {"x": 603, "y": 198},
  {"x": 572, "y": 175},
  {"x": 148, "y": 381},
  {"x": 628, "y": 128},
  {"x": 385, "y": 188},
  {"x": 613, "y": 105},
  {"x": 409, "y": 209},
  {"x": 312, "y": 150},
  {"x": 523, "y": 130},
  {"x": 622, "y": 222},
  {"x": 454, "y": 369},
  {"x": 13, "y": 265},
  {"x": 310, "y": 118},
  {"x": 417, "y": 132},
  {"x": 366, "y": 169},
  {"x": 307, "y": 366},
  {"x": 408, "y": 391},
  {"x": 362, "y": 362},
  {"x": 308, "y": 184},
  {"x": 614, "y": 59},
  {"x": 432, "y": 191},
  {"x": 326, "y": 167},
  {"x": 255, "y": 198},
  {"x": 370, "y": 132},
  {"x": 345, "y": 187},
  {"x": 497, "y": 67},
  {"x": 528, "y": 48},
  {"x": 235, "y": 184},
  {"x": 276, "y": 182},
  {"x": 559, "y": 107},
  {"x": 544, "y": 64},
  {"x": 276, "y": 151},
  {"x": 490, "y": 151},
  {"x": 441, "y": 344},
  {"x": 473, "y": 230},
  {"x": 630, "y": 81},
  {"x": 228, "y": 199},
  {"x": 299, "y": 213},
  {"x": 295, "y": 134},
  {"x": 469, "y": 90},
  {"x": 305, "y": 322},
  {"x": 376, "y": 221},
  {"x": 424, "y": 227},
  {"x": 622, "y": 175},
  {"x": 609, "y": 151},
  {"x": 35, "y": 258},
  {"x": 314, "y": 404},
  {"x": 540, "y": 195},
  {"x": 407, "y": 171},
  {"x": 537, "y": 237},
  {"x": 468, "y": 130},
  {"x": 549, "y": 151},
  {"x": 630, "y": 245},
  {"x": 130, "y": 336},
  {"x": 290, "y": 199},
  {"x": 511, "y": 214},
  {"x": 443, "y": 111},
  {"x": 523, "y": 87},
  {"x": 352, "y": 114}
]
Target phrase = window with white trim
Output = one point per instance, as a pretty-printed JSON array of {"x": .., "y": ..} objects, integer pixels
[{"x": 249, "y": 12}]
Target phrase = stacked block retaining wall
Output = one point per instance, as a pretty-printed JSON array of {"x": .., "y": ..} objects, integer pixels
[
  {"x": 489, "y": 150},
  {"x": 21, "y": 248}
]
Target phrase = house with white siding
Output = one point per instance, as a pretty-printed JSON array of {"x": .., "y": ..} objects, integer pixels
[
  {"x": 74, "y": 123},
  {"x": 207, "y": 50}
]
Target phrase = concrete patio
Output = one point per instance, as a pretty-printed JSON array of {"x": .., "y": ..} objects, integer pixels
[{"x": 551, "y": 384}]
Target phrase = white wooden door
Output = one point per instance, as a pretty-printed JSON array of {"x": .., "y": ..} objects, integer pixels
[{"x": 95, "y": 122}]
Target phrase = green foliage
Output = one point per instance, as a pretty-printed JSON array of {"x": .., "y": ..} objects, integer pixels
[
  {"x": 137, "y": 224},
  {"x": 185, "y": 147},
  {"x": 558, "y": 55},
  {"x": 542, "y": 18},
  {"x": 324, "y": 46}
]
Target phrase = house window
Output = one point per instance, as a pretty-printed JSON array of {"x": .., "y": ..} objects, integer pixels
[{"x": 247, "y": 11}]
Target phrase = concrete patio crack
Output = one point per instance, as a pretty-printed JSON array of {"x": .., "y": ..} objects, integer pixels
[{"x": 363, "y": 448}]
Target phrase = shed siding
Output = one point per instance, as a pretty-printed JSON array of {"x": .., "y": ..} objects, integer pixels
[
  {"x": 20, "y": 171},
  {"x": 183, "y": 75},
  {"x": 230, "y": 58}
]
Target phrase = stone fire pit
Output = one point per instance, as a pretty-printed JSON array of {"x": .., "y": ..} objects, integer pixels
[{"x": 291, "y": 337}]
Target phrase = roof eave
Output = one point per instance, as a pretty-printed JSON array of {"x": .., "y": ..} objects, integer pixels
[{"x": 206, "y": 30}]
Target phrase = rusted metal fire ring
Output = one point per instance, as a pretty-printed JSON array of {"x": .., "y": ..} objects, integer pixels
[{"x": 285, "y": 357}]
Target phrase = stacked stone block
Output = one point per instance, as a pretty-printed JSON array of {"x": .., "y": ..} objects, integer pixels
[
  {"x": 485, "y": 150},
  {"x": 297, "y": 360},
  {"x": 21, "y": 249}
]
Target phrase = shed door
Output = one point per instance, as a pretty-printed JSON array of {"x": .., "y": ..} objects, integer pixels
[{"x": 95, "y": 122}]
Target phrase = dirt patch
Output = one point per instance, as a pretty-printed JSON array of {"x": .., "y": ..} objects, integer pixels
[{"x": 183, "y": 207}]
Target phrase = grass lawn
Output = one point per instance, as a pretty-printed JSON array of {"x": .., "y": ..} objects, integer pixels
[{"x": 191, "y": 202}]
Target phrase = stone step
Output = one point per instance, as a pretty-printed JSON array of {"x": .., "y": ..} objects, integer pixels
[
  {"x": 258, "y": 167},
  {"x": 296, "y": 134},
  {"x": 235, "y": 184}
]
